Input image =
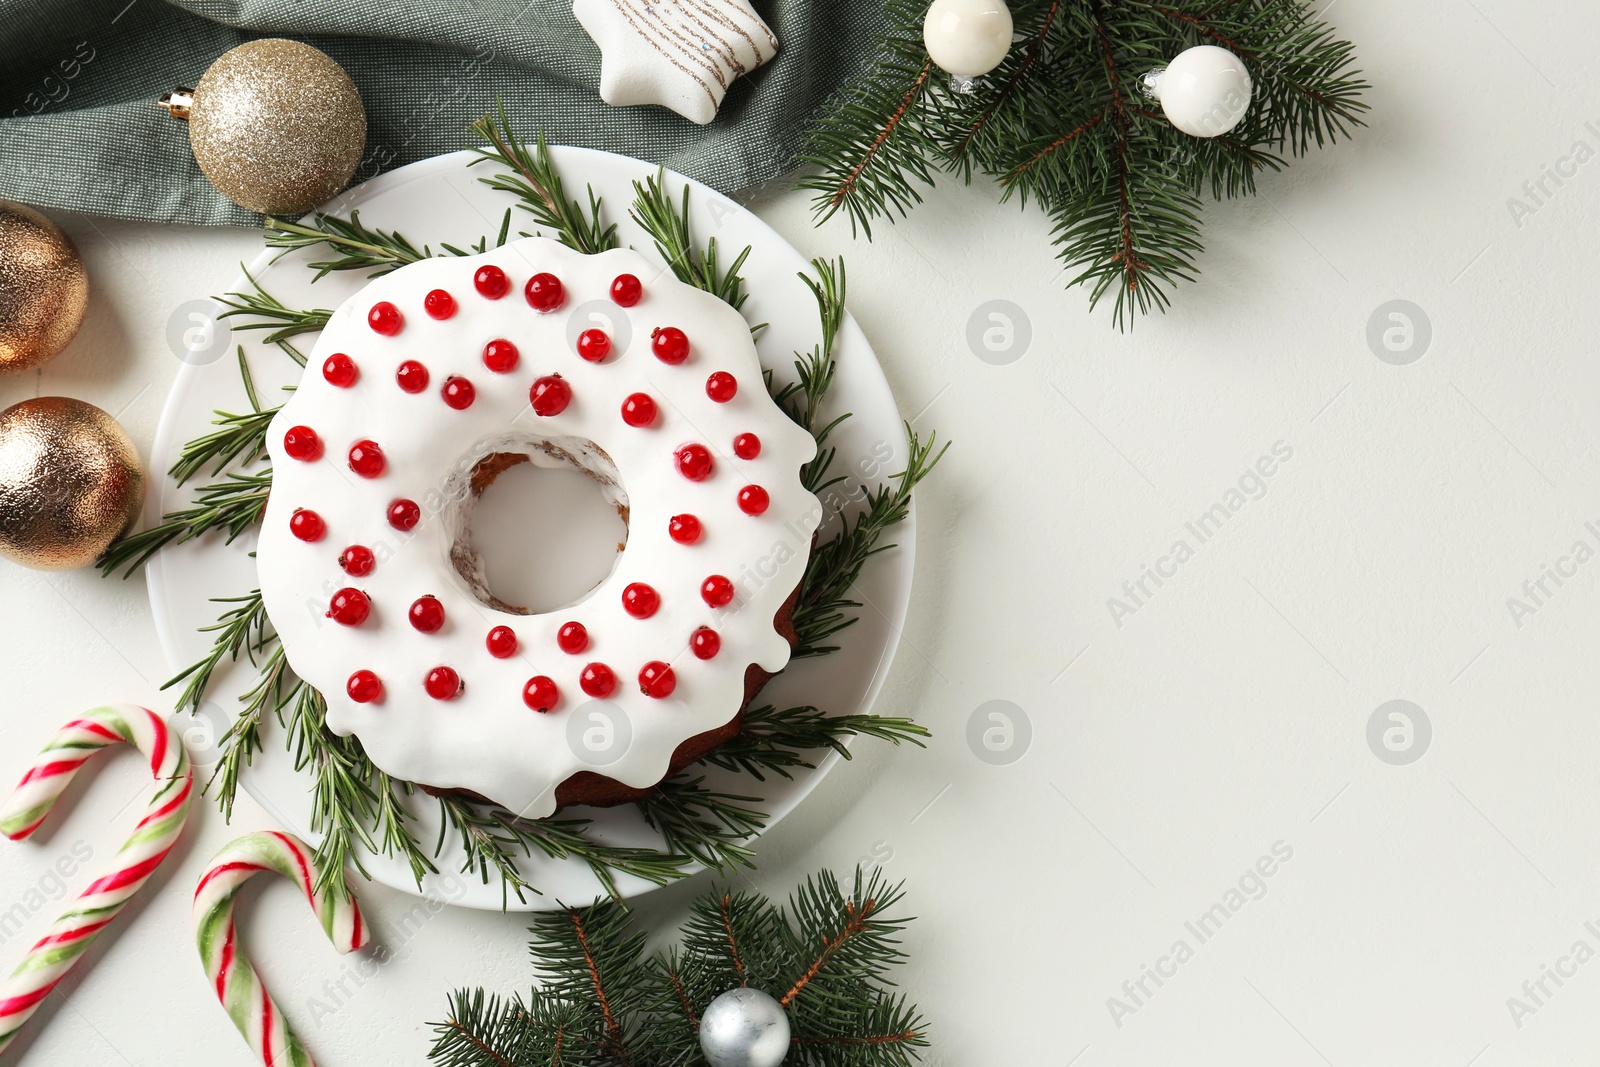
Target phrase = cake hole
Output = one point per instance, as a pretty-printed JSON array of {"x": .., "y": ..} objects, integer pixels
[{"x": 539, "y": 529}]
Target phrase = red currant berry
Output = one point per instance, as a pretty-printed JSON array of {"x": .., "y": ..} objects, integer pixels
[
  {"x": 366, "y": 459},
  {"x": 439, "y": 304},
  {"x": 705, "y": 643},
  {"x": 491, "y": 282},
  {"x": 412, "y": 376},
  {"x": 349, "y": 607},
  {"x": 459, "y": 393},
  {"x": 427, "y": 615},
  {"x": 626, "y": 290},
  {"x": 307, "y": 525},
  {"x": 572, "y": 638},
  {"x": 501, "y": 356},
  {"x": 302, "y": 443},
  {"x": 640, "y": 600},
  {"x": 598, "y": 680},
  {"x": 684, "y": 529},
  {"x": 639, "y": 410},
  {"x": 717, "y": 591},
  {"x": 550, "y": 395},
  {"x": 670, "y": 344},
  {"x": 358, "y": 561},
  {"x": 722, "y": 387},
  {"x": 340, "y": 370},
  {"x": 545, "y": 293},
  {"x": 594, "y": 345},
  {"x": 442, "y": 683},
  {"x": 404, "y": 514},
  {"x": 753, "y": 500},
  {"x": 541, "y": 694},
  {"x": 747, "y": 446},
  {"x": 502, "y": 642},
  {"x": 364, "y": 687},
  {"x": 694, "y": 462},
  {"x": 657, "y": 680},
  {"x": 385, "y": 318}
]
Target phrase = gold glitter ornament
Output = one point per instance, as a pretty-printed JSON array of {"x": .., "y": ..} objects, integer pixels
[
  {"x": 43, "y": 288},
  {"x": 276, "y": 125},
  {"x": 70, "y": 482}
]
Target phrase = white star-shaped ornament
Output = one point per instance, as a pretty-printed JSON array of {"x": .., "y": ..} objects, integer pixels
[{"x": 681, "y": 54}]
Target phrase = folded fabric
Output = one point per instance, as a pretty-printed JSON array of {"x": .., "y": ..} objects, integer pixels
[{"x": 80, "y": 129}]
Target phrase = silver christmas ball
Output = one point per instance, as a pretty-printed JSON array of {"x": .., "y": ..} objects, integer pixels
[{"x": 744, "y": 1028}]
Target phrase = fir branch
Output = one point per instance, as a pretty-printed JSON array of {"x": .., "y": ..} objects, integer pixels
[
  {"x": 1065, "y": 120},
  {"x": 667, "y": 223},
  {"x": 869, "y": 143},
  {"x": 242, "y": 629},
  {"x": 485, "y": 1031},
  {"x": 260, "y": 310},
  {"x": 534, "y": 180},
  {"x": 837, "y": 563},
  {"x": 232, "y": 505},
  {"x": 600, "y": 1000},
  {"x": 773, "y": 741}
]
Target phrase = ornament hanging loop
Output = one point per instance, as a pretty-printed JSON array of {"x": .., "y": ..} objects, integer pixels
[{"x": 178, "y": 102}]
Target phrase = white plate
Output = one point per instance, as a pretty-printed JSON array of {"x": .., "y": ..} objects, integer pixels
[{"x": 441, "y": 200}]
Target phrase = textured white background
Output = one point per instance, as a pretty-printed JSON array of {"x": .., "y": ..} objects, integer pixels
[{"x": 1168, "y": 754}]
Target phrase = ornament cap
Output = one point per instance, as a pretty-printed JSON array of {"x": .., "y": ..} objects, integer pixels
[{"x": 178, "y": 102}]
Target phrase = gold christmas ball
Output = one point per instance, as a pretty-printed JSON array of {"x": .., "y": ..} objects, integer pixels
[
  {"x": 277, "y": 126},
  {"x": 43, "y": 288},
  {"x": 70, "y": 482}
]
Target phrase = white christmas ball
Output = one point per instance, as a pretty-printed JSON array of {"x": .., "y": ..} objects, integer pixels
[
  {"x": 968, "y": 38},
  {"x": 744, "y": 1028},
  {"x": 1205, "y": 91}
]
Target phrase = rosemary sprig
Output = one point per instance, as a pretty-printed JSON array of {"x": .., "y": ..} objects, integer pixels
[
  {"x": 780, "y": 741},
  {"x": 242, "y": 438},
  {"x": 243, "y": 738},
  {"x": 534, "y": 180},
  {"x": 824, "y": 606},
  {"x": 802, "y": 399},
  {"x": 707, "y": 826},
  {"x": 242, "y": 629},
  {"x": 667, "y": 224},
  {"x": 342, "y": 798},
  {"x": 494, "y": 838},
  {"x": 356, "y": 245},
  {"x": 234, "y": 505},
  {"x": 267, "y": 312}
]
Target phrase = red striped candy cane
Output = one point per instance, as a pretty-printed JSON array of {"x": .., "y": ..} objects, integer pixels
[
  {"x": 49, "y": 960},
  {"x": 234, "y": 979}
]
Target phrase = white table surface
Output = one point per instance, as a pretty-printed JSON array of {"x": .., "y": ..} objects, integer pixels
[{"x": 1225, "y": 717}]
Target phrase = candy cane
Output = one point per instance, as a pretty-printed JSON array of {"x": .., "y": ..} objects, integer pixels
[
  {"x": 49, "y": 960},
  {"x": 235, "y": 980}
]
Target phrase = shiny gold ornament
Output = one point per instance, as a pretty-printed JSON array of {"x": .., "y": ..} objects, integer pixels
[
  {"x": 70, "y": 482},
  {"x": 43, "y": 288},
  {"x": 276, "y": 125}
]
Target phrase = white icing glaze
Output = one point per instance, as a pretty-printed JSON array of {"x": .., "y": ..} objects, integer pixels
[{"x": 486, "y": 739}]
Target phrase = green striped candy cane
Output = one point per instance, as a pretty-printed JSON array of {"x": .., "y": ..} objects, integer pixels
[
  {"x": 29, "y": 805},
  {"x": 232, "y": 976}
]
